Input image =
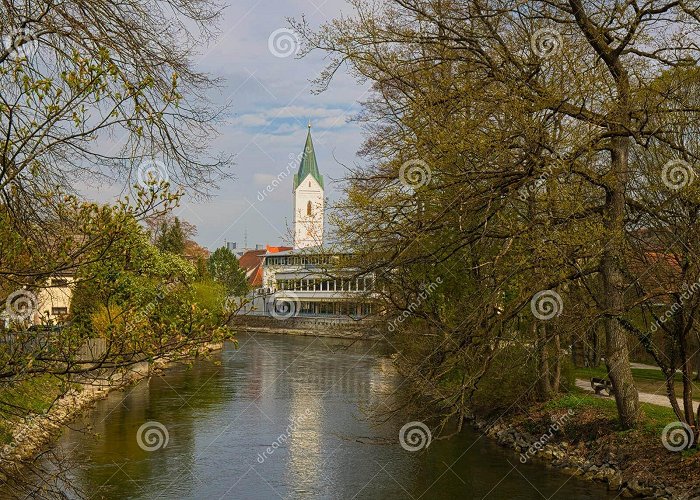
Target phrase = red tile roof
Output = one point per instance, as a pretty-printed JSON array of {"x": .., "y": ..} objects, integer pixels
[
  {"x": 272, "y": 249},
  {"x": 251, "y": 263}
]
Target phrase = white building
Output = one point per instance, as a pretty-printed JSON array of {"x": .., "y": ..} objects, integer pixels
[
  {"x": 310, "y": 280},
  {"x": 48, "y": 304},
  {"x": 315, "y": 282},
  {"x": 308, "y": 192},
  {"x": 54, "y": 299}
]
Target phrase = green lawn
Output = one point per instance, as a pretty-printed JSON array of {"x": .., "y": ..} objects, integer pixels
[
  {"x": 651, "y": 381},
  {"x": 34, "y": 395},
  {"x": 655, "y": 417}
]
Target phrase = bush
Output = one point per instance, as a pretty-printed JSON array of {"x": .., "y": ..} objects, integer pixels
[
  {"x": 209, "y": 295},
  {"x": 512, "y": 380}
]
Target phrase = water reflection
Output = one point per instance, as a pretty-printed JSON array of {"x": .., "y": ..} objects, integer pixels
[{"x": 284, "y": 416}]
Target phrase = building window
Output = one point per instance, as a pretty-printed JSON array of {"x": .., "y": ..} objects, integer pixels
[
  {"x": 308, "y": 208},
  {"x": 57, "y": 311}
]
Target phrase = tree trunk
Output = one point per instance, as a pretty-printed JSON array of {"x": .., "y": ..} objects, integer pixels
[
  {"x": 671, "y": 393},
  {"x": 545, "y": 388},
  {"x": 617, "y": 351},
  {"x": 596, "y": 347},
  {"x": 685, "y": 370},
  {"x": 556, "y": 379},
  {"x": 696, "y": 357},
  {"x": 575, "y": 354}
]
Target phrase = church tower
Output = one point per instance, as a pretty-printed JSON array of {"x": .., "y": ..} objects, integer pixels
[{"x": 308, "y": 199}]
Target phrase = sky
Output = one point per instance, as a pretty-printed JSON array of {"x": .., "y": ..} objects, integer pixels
[{"x": 270, "y": 103}]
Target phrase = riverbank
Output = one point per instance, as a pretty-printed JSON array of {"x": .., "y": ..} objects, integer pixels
[
  {"x": 34, "y": 433},
  {"x": 578, "y": 434},
  {"x": 312, "y": 398},
  {"x": 308, "y": 327}
]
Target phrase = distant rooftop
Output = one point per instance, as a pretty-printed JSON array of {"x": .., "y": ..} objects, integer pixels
[{"x": 317, "y": 250}]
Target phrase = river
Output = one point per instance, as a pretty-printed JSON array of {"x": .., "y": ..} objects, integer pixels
[{"x": 288, "y": 417}]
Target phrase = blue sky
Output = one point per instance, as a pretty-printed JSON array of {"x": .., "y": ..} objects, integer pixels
[{"x": 270, "y": 104}]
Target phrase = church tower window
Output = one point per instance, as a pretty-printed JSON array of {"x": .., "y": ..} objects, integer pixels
[{"x": 307, "y": 232}]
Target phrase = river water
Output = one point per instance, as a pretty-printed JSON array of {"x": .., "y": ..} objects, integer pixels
[{"x": 287, "y": 417}]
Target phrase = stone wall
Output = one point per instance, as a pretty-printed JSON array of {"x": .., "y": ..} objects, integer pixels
[
  {"x": 573, "y": 461},
  {"x": 321, "y": 327}
]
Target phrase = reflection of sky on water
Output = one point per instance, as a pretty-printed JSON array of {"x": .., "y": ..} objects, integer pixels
[{"x": 222, "y": 417}]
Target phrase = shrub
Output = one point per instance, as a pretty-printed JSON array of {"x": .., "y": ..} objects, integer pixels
[{"x": 512, "y": 380}]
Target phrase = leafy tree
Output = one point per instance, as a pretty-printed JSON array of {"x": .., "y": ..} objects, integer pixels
[
  {"x": 108, "y": 91},
  {"x": 73, "y": 77},
  {"x": 171, "y": 237},
  {"x": 516, "y": 123},
  {"x": 223, "y": 267}
]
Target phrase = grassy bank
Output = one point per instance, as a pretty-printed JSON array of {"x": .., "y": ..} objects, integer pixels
[
  {"x": 589, "y": 442},
  {"x": 654, "y": 419},
  {"x": 33, "y": 396},
  {"x": 651, "y": 381}
]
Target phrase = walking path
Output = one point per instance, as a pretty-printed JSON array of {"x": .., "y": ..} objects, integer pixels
[
  {"x": 645, "y": 397},
  {"x": 642, "y": 366}
]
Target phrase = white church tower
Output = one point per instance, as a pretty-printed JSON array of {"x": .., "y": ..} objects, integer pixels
[{"x": 308, "y": 200}]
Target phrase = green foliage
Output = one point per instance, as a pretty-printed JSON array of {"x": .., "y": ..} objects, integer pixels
[
  {"x": 510, "y": 380},
  {"x": 143, "y": 299},
  {"x": 84, "y": 303},
  {"x": 170, "y": 237},
  {"x": 19, "y": 398},
  {"x": 223, "y": 268},
  {"x": 209, "y": 295}
]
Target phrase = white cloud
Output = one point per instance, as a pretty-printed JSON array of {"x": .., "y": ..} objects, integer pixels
[
  {"x": 270, "y": 102},
  {"x": 250, "y": 120},
  {"x": 340, "y": 120}
]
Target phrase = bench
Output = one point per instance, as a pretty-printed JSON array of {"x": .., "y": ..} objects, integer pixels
[{"x": 600, "y": 384}]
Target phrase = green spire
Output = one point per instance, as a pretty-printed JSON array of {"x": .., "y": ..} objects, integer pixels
[{"x": 308, "y": 164}]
